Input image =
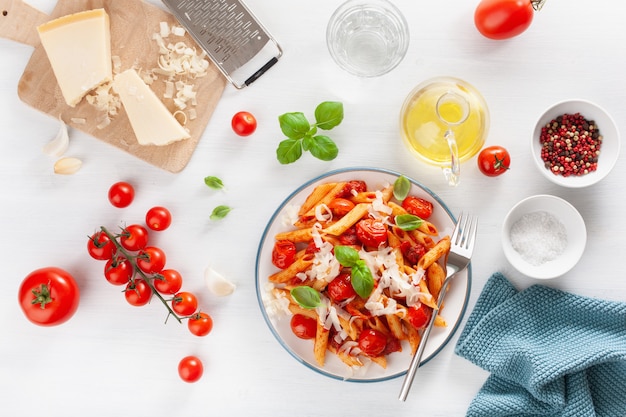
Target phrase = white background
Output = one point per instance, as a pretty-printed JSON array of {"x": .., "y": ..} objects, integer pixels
[{"x": 114, "y": 359}]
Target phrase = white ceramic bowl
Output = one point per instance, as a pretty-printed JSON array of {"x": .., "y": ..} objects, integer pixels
[
  {"x": 609, "y": 150},
  {"x": 543, "y": 236}
]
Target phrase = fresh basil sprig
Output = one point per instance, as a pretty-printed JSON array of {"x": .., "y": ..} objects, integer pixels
[
  {"x": 360, "y": 276},
  {"x": 302, "y": 136},
  {"x": 306, "y": 296}
]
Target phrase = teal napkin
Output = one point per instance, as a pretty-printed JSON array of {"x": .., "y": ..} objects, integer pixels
[{"x": 550, "y": 353}]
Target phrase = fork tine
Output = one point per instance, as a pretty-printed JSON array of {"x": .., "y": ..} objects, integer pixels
[
  {"x": 457, "y": 228},
  {"x": 471, "y": 233}
]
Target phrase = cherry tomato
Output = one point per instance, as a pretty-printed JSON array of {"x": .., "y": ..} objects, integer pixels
[
  {"x": 49, "y": 296},
  {"x": 243, "y": 123},
  {"x": 134, "y": 237},
  {"x": 494, "y": 161},
  {"x": 340, "y": 288},
  {"x": 100, "y": 246},
  {"x": 419, "y": 316},
  {"x": 284, "y": 253},
  {"x": 349, "y": 237},
  {"x": 302, "y": 326},
  {"x": 118, "y": 270},
  {"x": 151, "y": 260},
  {"x": 503, "y": 19},
  {"x": 200, "y": 324},
  {"x": 184, "y": 303},
  {"x": 352, "y": 187},
  {"x": 121, "y": 194},
  {"x": 158, "y": 218},
  {"x": 418, "y": 207},
  {"x": 138, "y": 293},
  {"x": 190, "y": 369},
  {"x": 372, "y": 342},
  {"x": 371, "y": 232},
  {"x": 340, "y": 206},
  {"x": 168, "y": 281}
]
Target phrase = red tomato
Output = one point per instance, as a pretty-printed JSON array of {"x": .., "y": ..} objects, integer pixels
[
  {"x": 121, "y": 194},
  {"x": 419, "y": 316},
  {"x": 302, "y": 326},
  {"x": 494, "y": 161},
  {"x": 151, "y": 260},
  {"x": 168, "y": 281},
  {"x": 349, "y": 237},
  {"x": 138, "y": 292},
  {"x": 352, "y": 187},
  {"x": 190, "y": 369},
  {"x": 243, "y": 123},
  {"x": 340, "y": 288},
  {"x": 134, "y": 237},
  {"x": 200, "y": 324},
  {"x": 371, "y": 232},
  {"x": 503, "y": 19},
  {"x": 184, "y": 303},
  {"x": 100, "y": 246},
  {"x": 49, "y": 296},
  {"x": 340, "y": 206},
  {"x": 412, "y": 251},
  {"x": 284, "y": 253},
  {"x": 372, "y": 342},
  {"x": 118, "y": 271},
  {"x": 418, "y": 207},
  {"x": 158, "y": 218}
]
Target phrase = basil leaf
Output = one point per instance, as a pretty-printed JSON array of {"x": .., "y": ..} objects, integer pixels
[
  {"x": 328, "y": 114},
  {"x": 294, "y": 125},
  {"x": 362, "y": 280},
  {"x": 346, "y": 255},
  {"x": 323, "y": 147},
  {"x": 214, "y": 182},
  {"x": 289, "y": 151},
  {"x": 220, "y": 212},
  {"x": 408, "y": 222},
  {"x": 306, "y": 297},
  {"x": 401, "y": 188}
]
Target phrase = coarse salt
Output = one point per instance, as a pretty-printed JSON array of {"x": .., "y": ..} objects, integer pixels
[{"x": 538, "y": 237}]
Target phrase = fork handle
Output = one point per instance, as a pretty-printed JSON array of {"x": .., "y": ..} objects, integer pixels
[{"x": 415, "y": 361}]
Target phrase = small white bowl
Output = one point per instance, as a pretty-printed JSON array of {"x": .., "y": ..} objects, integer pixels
[
  {"x": 609, "y": 151},
  {"x": 543, "y": 236}
]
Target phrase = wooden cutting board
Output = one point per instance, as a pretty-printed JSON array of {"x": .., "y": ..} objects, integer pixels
[{"x": 133, "y": 22}]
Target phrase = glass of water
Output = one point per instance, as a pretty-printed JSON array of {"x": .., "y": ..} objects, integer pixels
[{"x": 367, "y": 37}]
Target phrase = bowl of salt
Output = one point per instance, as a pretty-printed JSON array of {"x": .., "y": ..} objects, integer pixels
[{"x": 543, "y": 236}]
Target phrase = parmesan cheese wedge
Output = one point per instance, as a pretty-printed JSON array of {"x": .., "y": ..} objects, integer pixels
[
  {"x": 79, "y": 49},
  {"x": 151, "y": 121}
]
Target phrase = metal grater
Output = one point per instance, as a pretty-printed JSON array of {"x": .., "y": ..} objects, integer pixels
[{"x": 232, "y": 37}]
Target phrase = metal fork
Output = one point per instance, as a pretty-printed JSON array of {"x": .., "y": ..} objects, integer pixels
[{"x": 461, "y": 248}]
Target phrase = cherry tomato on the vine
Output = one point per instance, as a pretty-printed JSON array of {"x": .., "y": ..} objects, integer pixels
[
  {"x": 100, "y": 246},
  {"x": 184, "y": 303},
  {"x": 190, "y": 369},
  {"x": 372, "y": 342},
  {"x": 243, "y": 123},
  {"x": 200, "y": 324},
  {"x": 418, "y": 207},
  {"x": 138, "y": 292},
  {"x": 371, "y": 232},
  {"x": 49, "y": 296},
  {"x": 121, "y": 194},
  {"x": 118, "y": 270},
  {"x": 168, "y": 281},
  {"x": 134, "y": 237},
  {"x": 494, "y": 161},
  {"x": 158, "y": 218},
  {"x": 302, "y": 326},
  {"x": 419, "y": 316},
  {"x": 283, "y": 253},
  {"x": 151, "y": 260},
  {"x": 340, "y": 288},
  {"x": 503, "y": 19}
]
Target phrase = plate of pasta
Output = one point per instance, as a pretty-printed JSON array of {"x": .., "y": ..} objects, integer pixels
[{"x": 348, "y": 272}]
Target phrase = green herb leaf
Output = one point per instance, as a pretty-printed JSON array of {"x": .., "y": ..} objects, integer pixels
[
  {"x": 307, "y": 142},
  {"x": 220, "y": 212},
  {"x": 294, "y": 125},
  {"x": 322, "y": 147},
  {"x": 346, "y": 255},
  {"x": 401, "y": 187},
  {"x": 328, "y": 114},
  {"x": 306, "y": 296},
  {"x": 214, "y": 182},
  {"x": 408, "y": 222},
  {"x": 362, "y": 280},
  {"x": 289, "y": 151}
]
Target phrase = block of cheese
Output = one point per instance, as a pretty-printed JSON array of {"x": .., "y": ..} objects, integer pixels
[
  {"x": 150, "y": 119},
  {"x": 79, "y": 49}
]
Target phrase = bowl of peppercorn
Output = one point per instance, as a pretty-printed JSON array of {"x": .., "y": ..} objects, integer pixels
[{"x": 575, "y": 143}]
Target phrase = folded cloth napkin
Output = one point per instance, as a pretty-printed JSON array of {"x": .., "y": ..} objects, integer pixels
[{"x": 550, "y": 353}]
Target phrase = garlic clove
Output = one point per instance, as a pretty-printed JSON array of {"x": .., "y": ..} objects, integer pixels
[
  {"x": 59, "y": 144},
  {"x": 67, "y": 166},
  {"x": 217, "y": 283}
]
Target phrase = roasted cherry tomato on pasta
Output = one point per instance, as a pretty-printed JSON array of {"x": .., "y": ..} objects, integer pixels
[
  {"x": 190, "y": 369},
  {"x": 118, "y": 270},
  {"x": 340, "y": 288},
  {"x": 134, "y": 237},
  {"x": 168, "y": 281},
  {"x": 371, "y": 232},
  {"x": 158, "y": 218},
  {"x": 412, "y": 251},
  {"x": 340, "y": 206},
  {"x": 503, "y": 19},
  {"x": 138, "y": 293},
  {"x": 372, "y": 342},
  {"x": 494, "y": 161},
  {"x": 100, "y": 247},
  {"x": 302, "y": 326},
  {"x": 352, "y": 187},
  {"x": 418, "y": 207},
  {"x": 151, "y": 260},
  {"x": 200, "y": 324},
  {"x": 184, "y": 303},
  {"x": 243, "y": 123},
  {"x": 283, "y": 254},
  {"x": 419, "y": 316},
  {"x": 121, "y": 194}
]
